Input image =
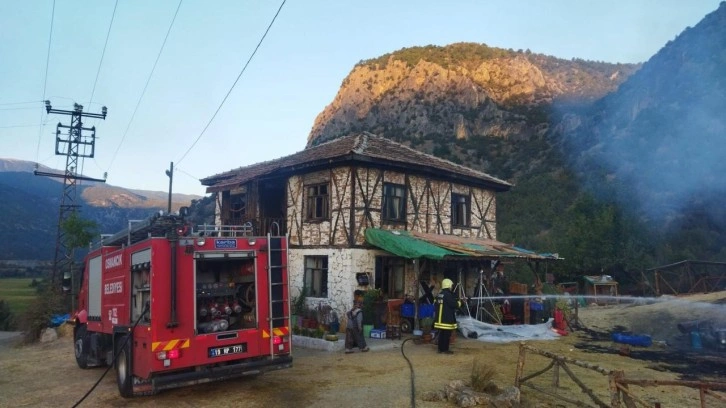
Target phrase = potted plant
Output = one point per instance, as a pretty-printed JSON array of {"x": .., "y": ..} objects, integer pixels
[
  {"x": 370, "y": 298},
  {"x": 427, "y": 323},
  {"x": 298, "y": 307}
]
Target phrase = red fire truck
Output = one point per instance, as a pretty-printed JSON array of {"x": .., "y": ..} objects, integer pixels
[{"x": 169, "y": 306}]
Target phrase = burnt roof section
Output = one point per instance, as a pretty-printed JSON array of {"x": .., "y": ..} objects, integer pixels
[{"x": 375, "y": 151}]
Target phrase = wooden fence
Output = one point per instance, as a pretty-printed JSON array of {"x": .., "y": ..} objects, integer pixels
[{"x": 618, "y": 389}]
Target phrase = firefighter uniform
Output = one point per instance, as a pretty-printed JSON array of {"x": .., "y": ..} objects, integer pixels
[{"x": 446, "y": 305}]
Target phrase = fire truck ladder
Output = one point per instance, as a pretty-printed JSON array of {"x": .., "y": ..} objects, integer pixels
[
  {"x": 277, "y": 275},
  {"x": 158, "y": 225}
]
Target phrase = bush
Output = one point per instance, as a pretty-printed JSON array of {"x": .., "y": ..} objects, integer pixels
[
  {"x": 38, "y": 314},
  {"x": 298, "y": 303},
  {"x": 370, "y": 297},
  {"x": 482, "y": 376},
  {"x": 7, "y": 318}
]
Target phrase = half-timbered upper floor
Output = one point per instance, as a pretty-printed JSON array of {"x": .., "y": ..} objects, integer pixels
[{"x": 327, "y": 195}]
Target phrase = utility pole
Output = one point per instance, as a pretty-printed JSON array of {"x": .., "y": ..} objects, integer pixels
[
  {"x": 170, "y": 173},
  {"x": 76, "y": 145}
]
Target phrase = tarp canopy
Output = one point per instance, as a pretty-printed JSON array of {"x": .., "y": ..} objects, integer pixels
[
  {"x": 414, "y": 245},
  {"x": 402, "y": 244}
]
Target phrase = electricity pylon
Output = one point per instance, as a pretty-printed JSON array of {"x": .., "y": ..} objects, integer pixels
[{"x": 77, "y": 145}]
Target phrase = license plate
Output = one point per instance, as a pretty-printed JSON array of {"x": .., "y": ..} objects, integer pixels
[{"x": 227, "y": 350}]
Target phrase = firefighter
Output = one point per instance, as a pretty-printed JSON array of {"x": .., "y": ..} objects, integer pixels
[{"x": 446, "y": 305}]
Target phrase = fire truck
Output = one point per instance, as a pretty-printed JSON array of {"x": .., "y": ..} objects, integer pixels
[{"x": 170, "y": 306}]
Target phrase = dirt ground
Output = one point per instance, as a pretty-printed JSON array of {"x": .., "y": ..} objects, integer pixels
[{"x": 46, "y": 374}]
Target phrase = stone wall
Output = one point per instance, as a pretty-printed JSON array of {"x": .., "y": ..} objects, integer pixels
[{"x": 343, "y": 264}]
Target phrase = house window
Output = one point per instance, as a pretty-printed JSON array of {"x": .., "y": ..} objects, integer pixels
[
  {"x": 316, "y": 276},
  {"x": 318, "y": 202},
  {"x": 460, "y": 210},
  {"x": 394, "y": 202}
]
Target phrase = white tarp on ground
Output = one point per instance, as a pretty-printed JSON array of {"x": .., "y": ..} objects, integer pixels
[{"x": 503, "y": 334}]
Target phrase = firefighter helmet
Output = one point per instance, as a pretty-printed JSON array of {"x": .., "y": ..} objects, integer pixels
[{"x": 446, "y": 284}]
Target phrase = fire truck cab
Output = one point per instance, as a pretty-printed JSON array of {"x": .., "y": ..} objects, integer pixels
[{"x": 170, "y": 306}]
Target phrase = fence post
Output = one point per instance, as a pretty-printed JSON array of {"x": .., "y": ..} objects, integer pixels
[
  {"x": 613, "y": 378},
  {"x": 520, "y": 364},
  {"x": 556, "y": 374}
]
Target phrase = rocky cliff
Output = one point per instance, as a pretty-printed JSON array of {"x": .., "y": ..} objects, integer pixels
[{"x": 462, "y": 89}]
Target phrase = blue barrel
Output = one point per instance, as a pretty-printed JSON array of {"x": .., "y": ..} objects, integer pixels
[
  {"x": 633, "y": 339},
  {"x": 426, "y": 310},
  {"x": 696, "y": 340},
  {"x": 407, "y": 310}
]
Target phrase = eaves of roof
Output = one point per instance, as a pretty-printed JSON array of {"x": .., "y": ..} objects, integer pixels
[{"x": 365, "y": 148}]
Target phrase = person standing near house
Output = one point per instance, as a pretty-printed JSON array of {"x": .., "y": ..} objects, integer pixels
[
  {"x": 354, "y": 329},
  {"x": 445, "y": 307}
]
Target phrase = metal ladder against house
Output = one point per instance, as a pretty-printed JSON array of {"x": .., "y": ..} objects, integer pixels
[{"x": 278, "y": 287}]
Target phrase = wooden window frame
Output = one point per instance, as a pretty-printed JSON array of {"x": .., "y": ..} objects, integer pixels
[
  {"x": 317, "y": 204},
  {"x": 389, "y": 190},
  {"x": 460, "y": 209},
  {"x": 315, "y": 278}
]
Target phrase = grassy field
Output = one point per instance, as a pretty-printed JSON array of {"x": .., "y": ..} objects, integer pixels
[{"x": 17, "y": 293}]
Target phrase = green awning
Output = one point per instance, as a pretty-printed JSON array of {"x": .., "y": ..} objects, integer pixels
[
  {"x": 402, "y": 244},
  {"x": 413, "y": 245}
]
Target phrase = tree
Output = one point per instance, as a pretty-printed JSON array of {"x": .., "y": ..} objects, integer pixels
[
  {"x": 7, "y": 319},
  {"x": 77, "y": 233}
]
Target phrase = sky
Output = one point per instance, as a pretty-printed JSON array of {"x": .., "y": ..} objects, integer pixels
[{"x": 162, "y": 101}]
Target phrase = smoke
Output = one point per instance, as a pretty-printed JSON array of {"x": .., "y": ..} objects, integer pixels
[{"x": 658, "y": 143}]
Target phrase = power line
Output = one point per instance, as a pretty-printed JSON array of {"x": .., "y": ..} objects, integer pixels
[
  {"x": 45, "y": 81},
  {"x": 19, "y": 103},
  {"x": 234, "y": 84},
  {"x": 19, "y": 108},
  {"x": 194, "y": 177},
  {"x": 145, "y": 86},
  {"x": 108, "y": 34},
  {"x": 18, "y": 126}
]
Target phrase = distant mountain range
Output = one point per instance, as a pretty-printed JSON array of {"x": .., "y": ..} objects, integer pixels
[
  {"x": 29, "y": 208},
  {"x": 617, "y": 167}
]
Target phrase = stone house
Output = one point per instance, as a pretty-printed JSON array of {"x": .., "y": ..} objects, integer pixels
[{"x": 326, "y": 197}]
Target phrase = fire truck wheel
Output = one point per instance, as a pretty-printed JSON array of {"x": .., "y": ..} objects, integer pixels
[
  {"x": 81, "y": 344},
  {"x": 123, "y": 367}
]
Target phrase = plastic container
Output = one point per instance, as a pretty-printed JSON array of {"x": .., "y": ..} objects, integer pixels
[
  {"x": 696, "y": 340},
  {"x": 407, "y": 310},
  {"x": 633, "y": 339},
  {"x": 425, "y": 310}
]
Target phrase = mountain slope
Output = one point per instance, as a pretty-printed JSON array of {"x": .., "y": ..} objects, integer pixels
[
  {"x": 30, "y": 208},
  {"x": 663, "y": 131}
]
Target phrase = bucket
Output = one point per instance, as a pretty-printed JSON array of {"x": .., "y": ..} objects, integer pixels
[{"x": 367, "y": 330}]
